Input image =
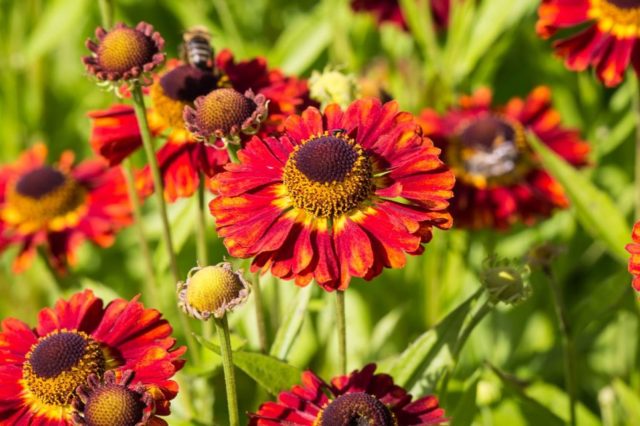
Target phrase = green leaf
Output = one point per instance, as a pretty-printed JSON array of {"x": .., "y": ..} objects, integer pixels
[
  {"x": 54, "y": 26},
  {"x": 595, "y": 210},
  {"x": 417, "y": 362},
  {"x": 270, "y": 373},
  {"x": 466, "y": 409},
  {"x": 302, "y": 42},
  {"x": 290, "y": 327},
  {"x": 630, "y": 401}
]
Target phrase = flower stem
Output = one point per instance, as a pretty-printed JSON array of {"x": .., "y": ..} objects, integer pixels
[
  {"x": 106, "y": 13},
  {"x": 342, "y": 332},
  {"x": 147, "y": 142},
  {"x": 262, "y": 329},
  {"x": 568, "y": 344},
  {"x": 636, "y": 105},
  {"x": 201, "y": 224},
  {"x": 151, "y": 284},
  {"x": 229, "y": 375},
  {"x": 201, "y": 242}
]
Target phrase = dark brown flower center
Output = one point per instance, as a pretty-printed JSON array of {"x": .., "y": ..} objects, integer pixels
[
  {"x": 222, "y": 110},
  {"x": 185, "y": 83},
  {"x": 125, "y": 48},
  {"x": 489, "y": 149},
  {"x": 328, "y": 175},
  {"x": 60, "y": 362},
  {"x": 45, "y": 193},
  {"x": 356, "y": 409},
  {"x": 113, "y": 404},
  {"x": 625, "y": 4},
  {"x": 40, "y": 182},
  {"x": 57, "y": 353},
  {"x": 326, "y": 159}
]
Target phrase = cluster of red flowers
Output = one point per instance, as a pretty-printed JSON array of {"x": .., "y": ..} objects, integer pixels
[{"x": 320, "y": 196}]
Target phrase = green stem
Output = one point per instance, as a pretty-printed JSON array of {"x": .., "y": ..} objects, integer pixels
[
  {"x": 232, "y": 150},
  {"x": 106, "y": 13},
  {"x": 151, "y": 284},
  {"x": 636, "y": 105},
  {"x": 201, "y": 224},
  {"x": 229, "y": 375},
  {"x": 342, "y": 332},
  {"x": 147, "y": 142},
  {"x": 259, "y": 304},
  {"x": 568, "y": 344},
  {"x": 201, "y": 242}
]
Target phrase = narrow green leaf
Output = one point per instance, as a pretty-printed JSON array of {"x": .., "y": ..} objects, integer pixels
[
  {"x": 302, "y": 42},
  {"x": 290, "y": 327},
  {"x": 596, "y": 211},
  {"x": 630, "y": 401},
  {"x": 466, "y": 409},
  {"x": 270, "y": 373},
  {"x": 416, "y": 362},
  {"x": 54, "y": 26}
]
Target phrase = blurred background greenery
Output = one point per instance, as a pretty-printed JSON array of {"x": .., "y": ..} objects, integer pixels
[{"x": 511, "y": 371}]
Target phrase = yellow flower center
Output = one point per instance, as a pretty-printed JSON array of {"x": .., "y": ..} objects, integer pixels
[
  {"x": 358, "y": 409},
  {"x": 58, "y": 363},
  {"x": 222, "y": 110},
  {"x": 213, "y": 287},
  {"x": 44, "y": 194},
  {"x": 618, "y": 17},
  {"x": 125, "y": 48},
  {"x": 489, "y": 151},
  {"x": 113, "y": 404},
  {"x": 329, "y": 175}
]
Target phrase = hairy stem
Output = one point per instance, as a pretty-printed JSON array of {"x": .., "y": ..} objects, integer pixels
[
  {"x": 342, "y": 332},
  {"x": 229, "y": 374}
]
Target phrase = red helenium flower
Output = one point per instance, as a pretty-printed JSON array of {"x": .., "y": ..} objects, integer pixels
[
  {"x": 390, "y": 11},
  {"x": 59, "y": 205},
  {"x": 41, "y": 367},
  {"x": 341, "y": 194},
  {"x": 498, "y": 179},
  {"x": 634, "y": 262},
  {"x": 115, "y": 133},
  {"x": 606, "y": 34},
  {"x": 361, "y": 396}
]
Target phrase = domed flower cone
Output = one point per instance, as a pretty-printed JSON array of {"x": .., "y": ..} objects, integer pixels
[{"x": 124, "y": 54}]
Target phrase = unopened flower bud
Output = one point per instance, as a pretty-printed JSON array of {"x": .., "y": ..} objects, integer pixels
[
  {"x": 506, "y": 281},
  {"x": 212, "y": 290}
]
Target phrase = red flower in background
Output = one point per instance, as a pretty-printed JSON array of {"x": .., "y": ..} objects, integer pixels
[
  {"x": 362, "y": 397},
  {"x": 634, "y": 262},
  {"x": 115, "y": 133},
  {"x": 606, "y": 34},
  {"x": 498, "y": 179},
  {"x": 342, "y": 194},
  {"x": 59, "y": 206},
  {"x": 41, "y": 367},
  {"x": 390, "y": 11}
]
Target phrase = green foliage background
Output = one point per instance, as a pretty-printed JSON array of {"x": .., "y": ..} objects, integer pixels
[{"x": 511, "y": 369}]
